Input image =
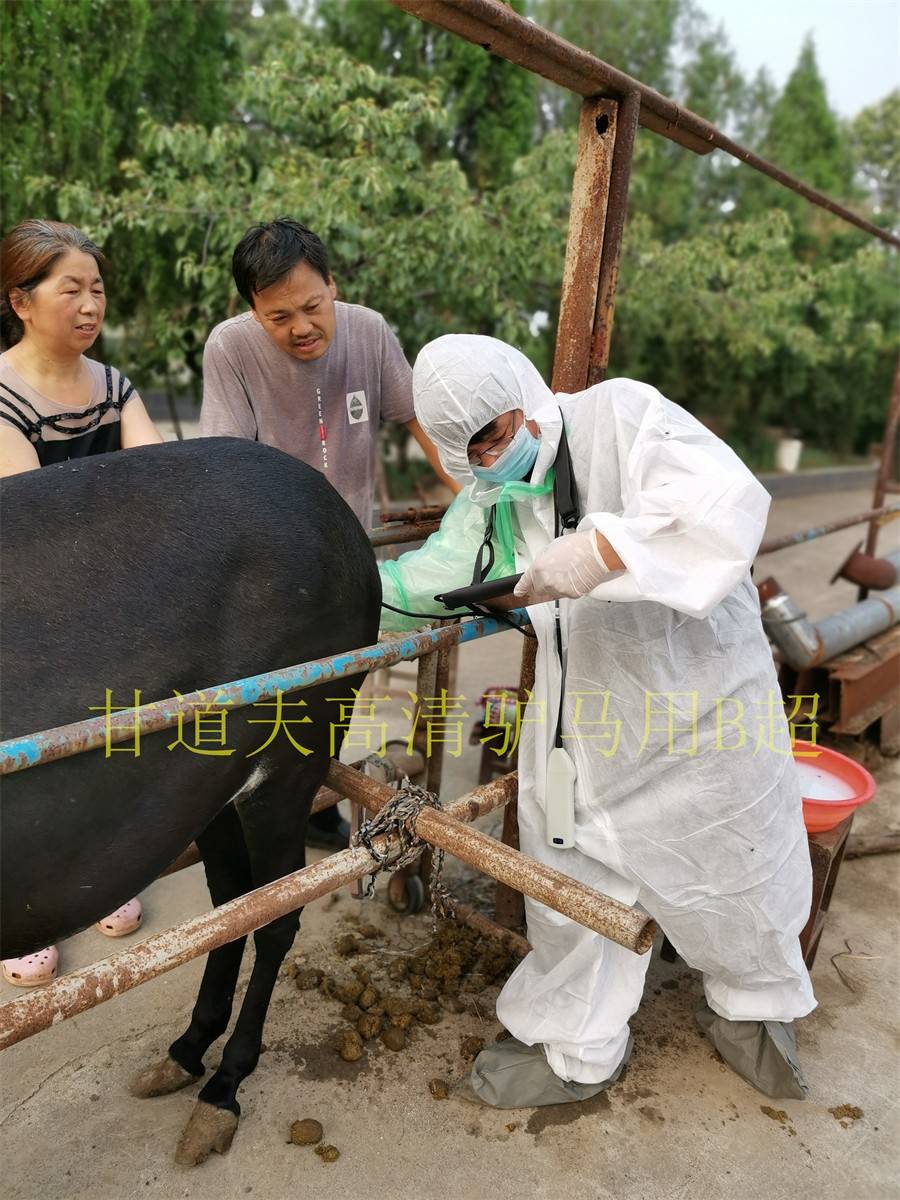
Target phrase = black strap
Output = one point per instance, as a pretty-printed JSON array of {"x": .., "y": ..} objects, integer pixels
[
  {"x": 90, "y": 418},
  {"x": 566, "y": 516},
  {"x": 558, "y": 740},
  {"x": 564, "y": 497},
  {"x": 20, "y": 420},
  {"x": 126, "y": 389}
]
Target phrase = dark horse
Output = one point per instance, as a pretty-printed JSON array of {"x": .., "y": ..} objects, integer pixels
[{"x": 169, "y": 569}]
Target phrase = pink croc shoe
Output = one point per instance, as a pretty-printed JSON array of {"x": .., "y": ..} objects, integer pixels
[
  {"x": 32, "y": 970},
  {"x": 123, "y": 921}
]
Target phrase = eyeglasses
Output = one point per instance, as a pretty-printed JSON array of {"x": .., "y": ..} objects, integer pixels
[{"x": 495, "y": 448}]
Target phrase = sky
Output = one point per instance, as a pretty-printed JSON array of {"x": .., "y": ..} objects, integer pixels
[{"x": 857, "y": 42}]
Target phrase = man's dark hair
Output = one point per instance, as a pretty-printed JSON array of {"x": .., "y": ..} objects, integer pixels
[{"x": 269, "y": 251}]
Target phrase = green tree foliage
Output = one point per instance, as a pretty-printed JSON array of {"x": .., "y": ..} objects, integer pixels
[
  {"x": 407, "y": 232},
  {"x": 188, "y": 80},
  {"x": 805, "y": 138},
  {"x": 443, "y": 217},
  {"x": 491, "y": 104},
  {"x": 76, "y": 72},
  {"x": 876, "y": 152},
  {"x": 65, "y": 96},
  {"x": 732, "y": 325},
  {"x": 683, "y": 192}
]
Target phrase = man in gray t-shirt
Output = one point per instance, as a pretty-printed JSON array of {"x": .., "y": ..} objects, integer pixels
[
  {"x": 303, "y": 371},
  {"x": 310, "y": 375}
]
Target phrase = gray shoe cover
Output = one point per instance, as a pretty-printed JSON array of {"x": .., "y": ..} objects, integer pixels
[
  {"x": 762, "y": 1052},
  {"x": 510, "y": 1074}
]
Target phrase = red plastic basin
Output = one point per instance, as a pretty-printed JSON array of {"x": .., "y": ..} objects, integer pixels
[{"x": 832, "y": 785}]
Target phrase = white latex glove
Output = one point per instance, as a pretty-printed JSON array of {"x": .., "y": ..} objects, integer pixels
[{"x": 570, "y": 566}]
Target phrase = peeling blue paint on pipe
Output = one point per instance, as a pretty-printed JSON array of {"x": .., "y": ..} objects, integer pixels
[{"x": 18, "y": 754}]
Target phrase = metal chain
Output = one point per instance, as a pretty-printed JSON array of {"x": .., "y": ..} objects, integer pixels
[{"x": 396, "y": 822}]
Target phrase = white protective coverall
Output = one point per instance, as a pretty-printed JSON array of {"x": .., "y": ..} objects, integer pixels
[{"x": 708, "y": 837}]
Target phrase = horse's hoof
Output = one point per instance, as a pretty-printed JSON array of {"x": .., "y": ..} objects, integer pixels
[
  {"x": 209, "y": 1129},
  {"x": 162, "y": 1078}
]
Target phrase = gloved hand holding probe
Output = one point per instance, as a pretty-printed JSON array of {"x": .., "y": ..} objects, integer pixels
[{"x": 570, "y": 566}]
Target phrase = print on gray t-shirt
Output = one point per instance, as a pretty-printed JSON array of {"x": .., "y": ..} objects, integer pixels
[{"x": 326, "y": 412}]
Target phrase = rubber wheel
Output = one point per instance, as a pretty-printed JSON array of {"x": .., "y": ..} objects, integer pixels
[{"x": 406, "y": 893}]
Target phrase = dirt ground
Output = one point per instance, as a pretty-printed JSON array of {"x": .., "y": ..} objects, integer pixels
[{"x": 678, "y": 1124}]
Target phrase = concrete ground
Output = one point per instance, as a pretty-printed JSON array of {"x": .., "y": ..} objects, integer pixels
[{"x": 679, "y": 1124}]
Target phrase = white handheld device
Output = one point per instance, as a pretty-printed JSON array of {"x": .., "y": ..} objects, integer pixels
[{"x": 559, "y": 801}]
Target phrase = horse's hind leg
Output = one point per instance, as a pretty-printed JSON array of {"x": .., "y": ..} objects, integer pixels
[
  {"x": 227, "y": 865},
  {"x": 274, "y": 823}
]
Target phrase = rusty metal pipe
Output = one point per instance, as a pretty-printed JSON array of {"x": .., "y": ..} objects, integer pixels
[
  {"x": 187, "y": 858},
  {"x": 412, "y": 516},
  {"x": 619, "y": 922},
  {"x": 482, "y": 924},
  {"x": 502, "y": 31},
  {"x": 509, "y": 904},
  {"x": 325, "y": 798},
  {"x": 80, "y": 990},
  {"x": 770, "y": 545},
  {"x": 373, "y": 795},
  {"x": 393, "y": 535}
]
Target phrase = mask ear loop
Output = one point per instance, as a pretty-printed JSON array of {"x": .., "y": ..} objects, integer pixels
[{"x": 481, "y": 572}]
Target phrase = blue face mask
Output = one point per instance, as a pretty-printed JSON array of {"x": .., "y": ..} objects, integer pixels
[{"x": 515, "y": 462}]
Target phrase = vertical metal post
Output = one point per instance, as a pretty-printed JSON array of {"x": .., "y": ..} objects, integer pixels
[
  {"x": 426, "y": 686},
  {"x": 434, "y": 763},
  {"x": 432, "y": 677},
  {"x": 426, "y": 679},
  {"x": 616, "y": 212},
  {"x": 883, "y": 483},
  {"x": 584, "y": 249},
  {"x": 509, "y": 904}
]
